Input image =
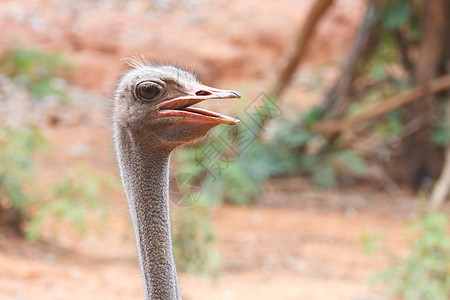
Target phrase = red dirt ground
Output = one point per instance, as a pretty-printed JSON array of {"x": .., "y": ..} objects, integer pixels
[{"x": 295, "y": 243}]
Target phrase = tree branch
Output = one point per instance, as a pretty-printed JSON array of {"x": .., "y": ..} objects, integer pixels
[
  {"x": 336, "y": 101},
  {"x": 402, "y": 46},
  {"x": 335, "y": 126},
  {"x": 295, "y": 54}
]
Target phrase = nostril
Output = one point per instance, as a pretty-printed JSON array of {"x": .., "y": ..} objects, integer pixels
[{"x": 203, "y": 93}]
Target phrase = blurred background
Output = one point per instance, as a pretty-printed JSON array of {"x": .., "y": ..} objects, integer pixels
[{"x": 334, "y": 186}]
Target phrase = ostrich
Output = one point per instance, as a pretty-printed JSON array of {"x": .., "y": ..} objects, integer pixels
[{"x": 153, "y": 116}]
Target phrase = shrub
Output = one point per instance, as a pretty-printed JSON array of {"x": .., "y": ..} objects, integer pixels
[
  {"x": 39, "y": 72},
  {"x": 240, "y": 167},
  {"x": 425, "y": 272},
  {"x": 16, "y": 150},
  {"x": 78, "y": 194},
  {"x": 193, "y": 241}
]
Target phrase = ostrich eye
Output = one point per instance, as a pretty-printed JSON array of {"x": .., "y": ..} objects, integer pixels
[{"x": 148, "y": 90}]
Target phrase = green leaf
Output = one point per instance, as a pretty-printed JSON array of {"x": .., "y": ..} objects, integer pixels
[
  {"x": 395, "y": 13},
  {"x": 324, "y": 176},
  {"x": 425, "y": 272},
  {"x": 37, "y": 71},
  {"x": 441, "y": 135},
  {"x": 350, "y": 161},
  {"x": 193, "y": 239}
]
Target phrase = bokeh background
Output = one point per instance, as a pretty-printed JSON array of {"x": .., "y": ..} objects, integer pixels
[{"x": 333, "y": 186}]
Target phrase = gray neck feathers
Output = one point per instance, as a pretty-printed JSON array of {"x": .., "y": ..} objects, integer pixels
[{"x": 145, "y": 172}]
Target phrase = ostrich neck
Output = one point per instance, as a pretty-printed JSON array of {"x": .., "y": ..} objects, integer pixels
[{"x": 145, "y": 172}]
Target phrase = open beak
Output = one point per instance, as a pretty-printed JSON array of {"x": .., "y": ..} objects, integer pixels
[{"x": 181, "y": 106}]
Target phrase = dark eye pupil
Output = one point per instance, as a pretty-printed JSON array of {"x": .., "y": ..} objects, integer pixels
[{"x": 148, "y": 91}]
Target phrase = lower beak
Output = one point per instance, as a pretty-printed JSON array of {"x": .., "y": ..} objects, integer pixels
[{"x": 181, "y": 106}]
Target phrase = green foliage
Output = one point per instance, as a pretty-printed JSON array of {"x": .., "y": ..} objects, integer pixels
[
  {"x": 401, "y": 23},
  {"x": 16, "y": 150},
  {"x": 79, "y": 193},
  {"x": 395, "y": 13},
  {"x": 441, "y": 134},
  {"x": 222, "y": 174},
  {"x": 193, "y": 241},
  {"x": 386, "y": 55},
  {"x": 41, "y": 73},
  {"x": 296, "y": 149},
  {"x": 403, "y": 16},
  {"x": 243, "y": 161},
  {"x": 392, "y": 124},
  {"x": 370, "y": 240},
  {"x": 425, "y": 272}
]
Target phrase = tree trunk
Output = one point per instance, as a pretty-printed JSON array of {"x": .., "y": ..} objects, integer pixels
[
  {"x": 294, "y": 55},
  {"x": 337, "y": 100},
  {"x": 11, "y": 220},
  {"x": 420, "y": 162},
  {"x": 442, "y": 187}
]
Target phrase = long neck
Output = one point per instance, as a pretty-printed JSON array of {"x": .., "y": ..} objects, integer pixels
[{"x": 145, "y": 174}]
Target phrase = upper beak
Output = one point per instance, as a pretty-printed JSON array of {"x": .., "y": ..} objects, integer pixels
[{"x": 181, "y": 106}]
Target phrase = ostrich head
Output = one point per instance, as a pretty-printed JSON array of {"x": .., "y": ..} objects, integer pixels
[{"x": 156, "y": 102}]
